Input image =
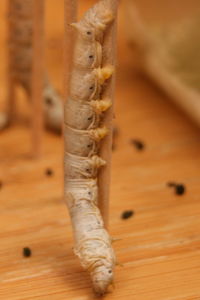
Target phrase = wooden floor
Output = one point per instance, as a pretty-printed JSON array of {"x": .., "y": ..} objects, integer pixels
[{"x": 158, "y": 248}]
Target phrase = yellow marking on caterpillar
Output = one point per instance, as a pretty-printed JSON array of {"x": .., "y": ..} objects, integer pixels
[
  {"x": 99, "y": 133},
  {"x": 100, "y": 106},
  {"x": 104, "y": 73}
]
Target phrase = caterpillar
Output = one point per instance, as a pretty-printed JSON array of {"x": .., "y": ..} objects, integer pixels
[
  {"x": 83, "y": 132},
  {"x": 21, "y": 54}
]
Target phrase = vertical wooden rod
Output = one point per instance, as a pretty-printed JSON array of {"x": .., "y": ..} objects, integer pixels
[
  {"x": 109, "y": 57},
  {"x": 70, "y": 17},
  {"x": 11, "y": 92},
  {"x": 37, "y": 76}
]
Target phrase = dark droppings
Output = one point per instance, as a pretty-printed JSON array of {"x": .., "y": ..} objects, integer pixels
[
  {"x": 127, "y": 214},
  {"x": 138, "y": 144},
  {"x": 179, "y": 188},
  {"x": 27, "y": 252},
  {"x": 49, "y": 172}
]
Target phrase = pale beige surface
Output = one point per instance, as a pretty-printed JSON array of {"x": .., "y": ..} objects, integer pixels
[{"x": 159, "y": 247}]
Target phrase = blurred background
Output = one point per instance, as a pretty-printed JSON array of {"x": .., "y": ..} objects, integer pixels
[{"x": 156, "y": 147}]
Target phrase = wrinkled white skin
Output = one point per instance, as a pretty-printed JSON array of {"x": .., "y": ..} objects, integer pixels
[
  {"x": 84, "y": 142},
  {"x": 20, "y": 43},
  {"x": 80, "y": 115},
  {"x": 82, "y": 167},
  {"x": 87, "y": 54},
  {"x": 84, "y": 112},
  {"x": 93, "y": 243}
]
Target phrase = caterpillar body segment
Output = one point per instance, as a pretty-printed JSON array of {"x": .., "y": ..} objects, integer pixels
[
  {"x": 87, "y": 55},
  {"x": 80, "y": 115},
  {"x": 84, "y": 142},
  {"x": 83, "y": 167},
  {"x": 21, "y": 55},
  {"x": 84, "y": 132},
  {"x": 86, "y": 84},
  {"x": 76, "y": 189},
  {"x": 84, "y": 115}
]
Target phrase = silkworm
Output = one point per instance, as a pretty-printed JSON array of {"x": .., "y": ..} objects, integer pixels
[
  {"x": 21, "y": 55},
  {"x": 83, "y": 132}
]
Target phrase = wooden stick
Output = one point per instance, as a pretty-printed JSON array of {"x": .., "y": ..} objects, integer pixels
[
  {"x": 109, "y": 57},
  {"x": 11, "y": 94},
  {"x": 70, "y": 17},
  {"x": 38, "y": 75},
  {"x": 183, "y": 96}
]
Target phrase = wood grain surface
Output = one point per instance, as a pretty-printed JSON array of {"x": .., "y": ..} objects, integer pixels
[{"x": 159, "y": 246}]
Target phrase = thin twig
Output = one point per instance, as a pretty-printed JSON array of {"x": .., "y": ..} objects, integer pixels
[
  {"x": 11, "y": 94},
  {"x": 37, "y": 76},
  {"x": 70, "y": 17},
  {"x": 109, "y": 53}
]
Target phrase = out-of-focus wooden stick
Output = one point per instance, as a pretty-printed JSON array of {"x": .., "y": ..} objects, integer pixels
[
  {"x": 37, "y": 76},
  {"x": 11, "y": 94},
  {"x": 70, "y": 17},
  {"x": 109, "y": 57},
  {"x": 185, "y": 97}
]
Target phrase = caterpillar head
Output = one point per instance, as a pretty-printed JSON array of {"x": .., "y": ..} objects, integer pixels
[
  {"x": 99, "y": 16},
  {"x": 102, "y": 279}
]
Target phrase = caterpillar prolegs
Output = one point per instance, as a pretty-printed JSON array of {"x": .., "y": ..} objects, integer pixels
[
  {"x": 84, "y": 130},
  {"x": 21, "y": 52}
]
